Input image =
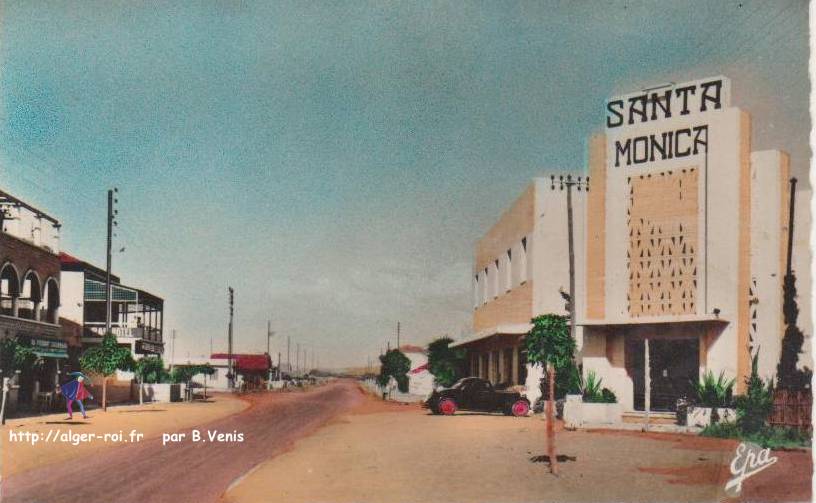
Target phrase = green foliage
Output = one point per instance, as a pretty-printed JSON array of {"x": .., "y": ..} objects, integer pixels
[
  {"x": 549, "y": 343},
  {"x": 106, "y": 358},
  {"x": 445, "y": 362},
  {"x": 185, "y": 373},
  {"x": 722, "y": 430},
  {"x": 713, "y": 392},
  {"x": 789, "y": 376},
  {"x": 595, "y": 393},
  {"x": 16, "y": 356},
  {"x": 755, "y": 406},
  {"x": 773, "y": 437},
  {"x": 151, "y": 370},
  {"x": 394, "y": 364}
]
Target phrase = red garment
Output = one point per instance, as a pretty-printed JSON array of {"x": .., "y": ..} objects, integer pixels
[{"x": 82, "y": 393}]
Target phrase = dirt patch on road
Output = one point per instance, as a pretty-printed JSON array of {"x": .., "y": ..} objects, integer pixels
[
  {"x": 680, "y": 440},
  {"x": 702, "y": 474}
]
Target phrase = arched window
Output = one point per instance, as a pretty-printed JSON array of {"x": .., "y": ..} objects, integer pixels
[
  {"x": 52, "y": 301},
  {"x": 30, "y": 297},
  {"x": 9, "y": 289}
]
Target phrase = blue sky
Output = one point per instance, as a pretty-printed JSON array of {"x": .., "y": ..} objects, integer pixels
[{"x": 335, "y": 162}]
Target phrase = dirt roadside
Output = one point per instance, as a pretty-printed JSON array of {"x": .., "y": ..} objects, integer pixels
[
  {"x": 151, "y": 420},
  {"x": 393, "y": 453}
]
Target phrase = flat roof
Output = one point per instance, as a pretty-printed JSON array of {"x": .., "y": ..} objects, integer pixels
[{"x": 5, "y": 197}]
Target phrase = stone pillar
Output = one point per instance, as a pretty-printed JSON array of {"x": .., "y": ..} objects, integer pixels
[
  {"x": 515, "y": 365},
  {"x": 490, "y": 366},
  {"x": 15, "y": 308},
  {"x": 501, "y": 377},
  {"x": 37, "y": 311}
]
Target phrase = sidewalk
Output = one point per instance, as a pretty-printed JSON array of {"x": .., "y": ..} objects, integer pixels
[{"x": 151, "y": 420}]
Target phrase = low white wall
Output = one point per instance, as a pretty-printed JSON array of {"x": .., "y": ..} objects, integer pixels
[{"x": 161, "y": 392}]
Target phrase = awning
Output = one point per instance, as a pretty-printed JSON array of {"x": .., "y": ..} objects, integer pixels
[{"x": 653, "y": 320}]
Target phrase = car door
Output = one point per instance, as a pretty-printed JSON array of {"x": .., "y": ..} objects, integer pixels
[{"x": 482, "y": 396}]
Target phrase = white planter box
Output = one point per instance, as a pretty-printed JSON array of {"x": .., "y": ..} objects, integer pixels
[
  {"x": 700, "y": 417},
  {"x": 578, "y": 413},
  {"x": 572, "y": 411},
  {"x": 601, "y": 413}
]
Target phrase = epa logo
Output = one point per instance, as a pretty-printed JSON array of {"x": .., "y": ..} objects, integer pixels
[{"x": 749, "y": 460}]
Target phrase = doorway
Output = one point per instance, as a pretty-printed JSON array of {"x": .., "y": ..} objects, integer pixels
[{"x": 674, "y": 367}]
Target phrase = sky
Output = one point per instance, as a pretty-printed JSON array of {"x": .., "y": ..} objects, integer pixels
[{"x": 335, "y": 162}]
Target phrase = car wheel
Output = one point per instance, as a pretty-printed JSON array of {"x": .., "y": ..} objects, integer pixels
[
  {"x": 447, "y": 406},
  {"x": 520, "y": 408}
]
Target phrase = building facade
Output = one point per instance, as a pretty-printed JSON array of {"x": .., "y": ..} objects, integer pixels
[
  {"x": 137, "y": 318},
  {"x": 30, "y": 295},
  {"x": 680, "y": 251}
]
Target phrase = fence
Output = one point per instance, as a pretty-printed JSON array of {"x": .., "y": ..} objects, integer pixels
[{"x": 791, "y": 409}]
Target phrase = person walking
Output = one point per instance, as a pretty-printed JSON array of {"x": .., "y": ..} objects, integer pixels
[{"x": 75, "y": 391}]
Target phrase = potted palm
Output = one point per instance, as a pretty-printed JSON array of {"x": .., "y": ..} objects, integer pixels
[
  {"x": 713, "y": 401},
  {"x": 594, "y": 405},
  {"x": 600, "y": 405}
]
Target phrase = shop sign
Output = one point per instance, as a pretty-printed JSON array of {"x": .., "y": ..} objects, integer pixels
[{"x": 49, "y": 348}]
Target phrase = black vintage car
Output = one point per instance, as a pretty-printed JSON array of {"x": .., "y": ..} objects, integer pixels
[{"x": 473, "y": 393}]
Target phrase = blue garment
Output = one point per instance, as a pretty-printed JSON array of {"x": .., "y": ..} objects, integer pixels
[{"x": 70, "y": 390}]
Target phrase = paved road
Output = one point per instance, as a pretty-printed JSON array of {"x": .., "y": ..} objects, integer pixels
[{"x": 187, "y": 471}]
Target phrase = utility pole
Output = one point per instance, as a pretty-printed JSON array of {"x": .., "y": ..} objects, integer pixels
[
  {"x": 230, "y": 376},
  {"x": 580, "y": 183},
  {"x": 288, "y": 354},
  {"x": 789, "y": 263},
  {"x": 398, "y": 335},
  {"x": 111, "y": 223},
  {"x": 173, "y": 348},
  {"x": 269, "y": 334},
  {"x": 569, "y": 182},
  {"x": 297, "y": 358},
  {"x": 279, "y": 366}
]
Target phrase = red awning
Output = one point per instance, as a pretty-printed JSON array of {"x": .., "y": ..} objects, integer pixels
[
  {"x": 246, "y": 362},
  {"x": 419, "y": 369}
]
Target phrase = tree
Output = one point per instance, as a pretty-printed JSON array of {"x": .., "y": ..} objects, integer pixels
[
  {"x": 550, "y": 344},
  {"x": 445, "y": 362},
  {"x": 15, "y": 355},
  {"x": 185, "y": 373},
  {"x": 149, "y": 370},
  {"x": 105, "y": 359},
  {"x": 394, "y": 364},
  {"x": 788, "y": 376}
]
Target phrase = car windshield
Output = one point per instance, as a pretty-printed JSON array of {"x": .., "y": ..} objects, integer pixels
[{"x": 460, "y": 383}]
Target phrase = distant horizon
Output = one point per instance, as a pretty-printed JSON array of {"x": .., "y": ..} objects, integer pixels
[{"x": 336, "y": 163}]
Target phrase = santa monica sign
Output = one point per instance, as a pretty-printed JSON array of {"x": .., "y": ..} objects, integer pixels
[{"x": 677, "y": 112}]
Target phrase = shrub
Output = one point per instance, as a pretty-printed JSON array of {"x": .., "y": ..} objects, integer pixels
[
  {"x": 711, "y": 392},
  {"x": 594, "y": 393},
  {"x": 445, "y": 362},
  {"x": 754, "y": 407},
  {"x": 721, "y": 430}
]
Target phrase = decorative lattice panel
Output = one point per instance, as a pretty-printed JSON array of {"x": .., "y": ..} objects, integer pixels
[
  {"x": 662, "y": 256},
  {"x": 753, "y": 301}
]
